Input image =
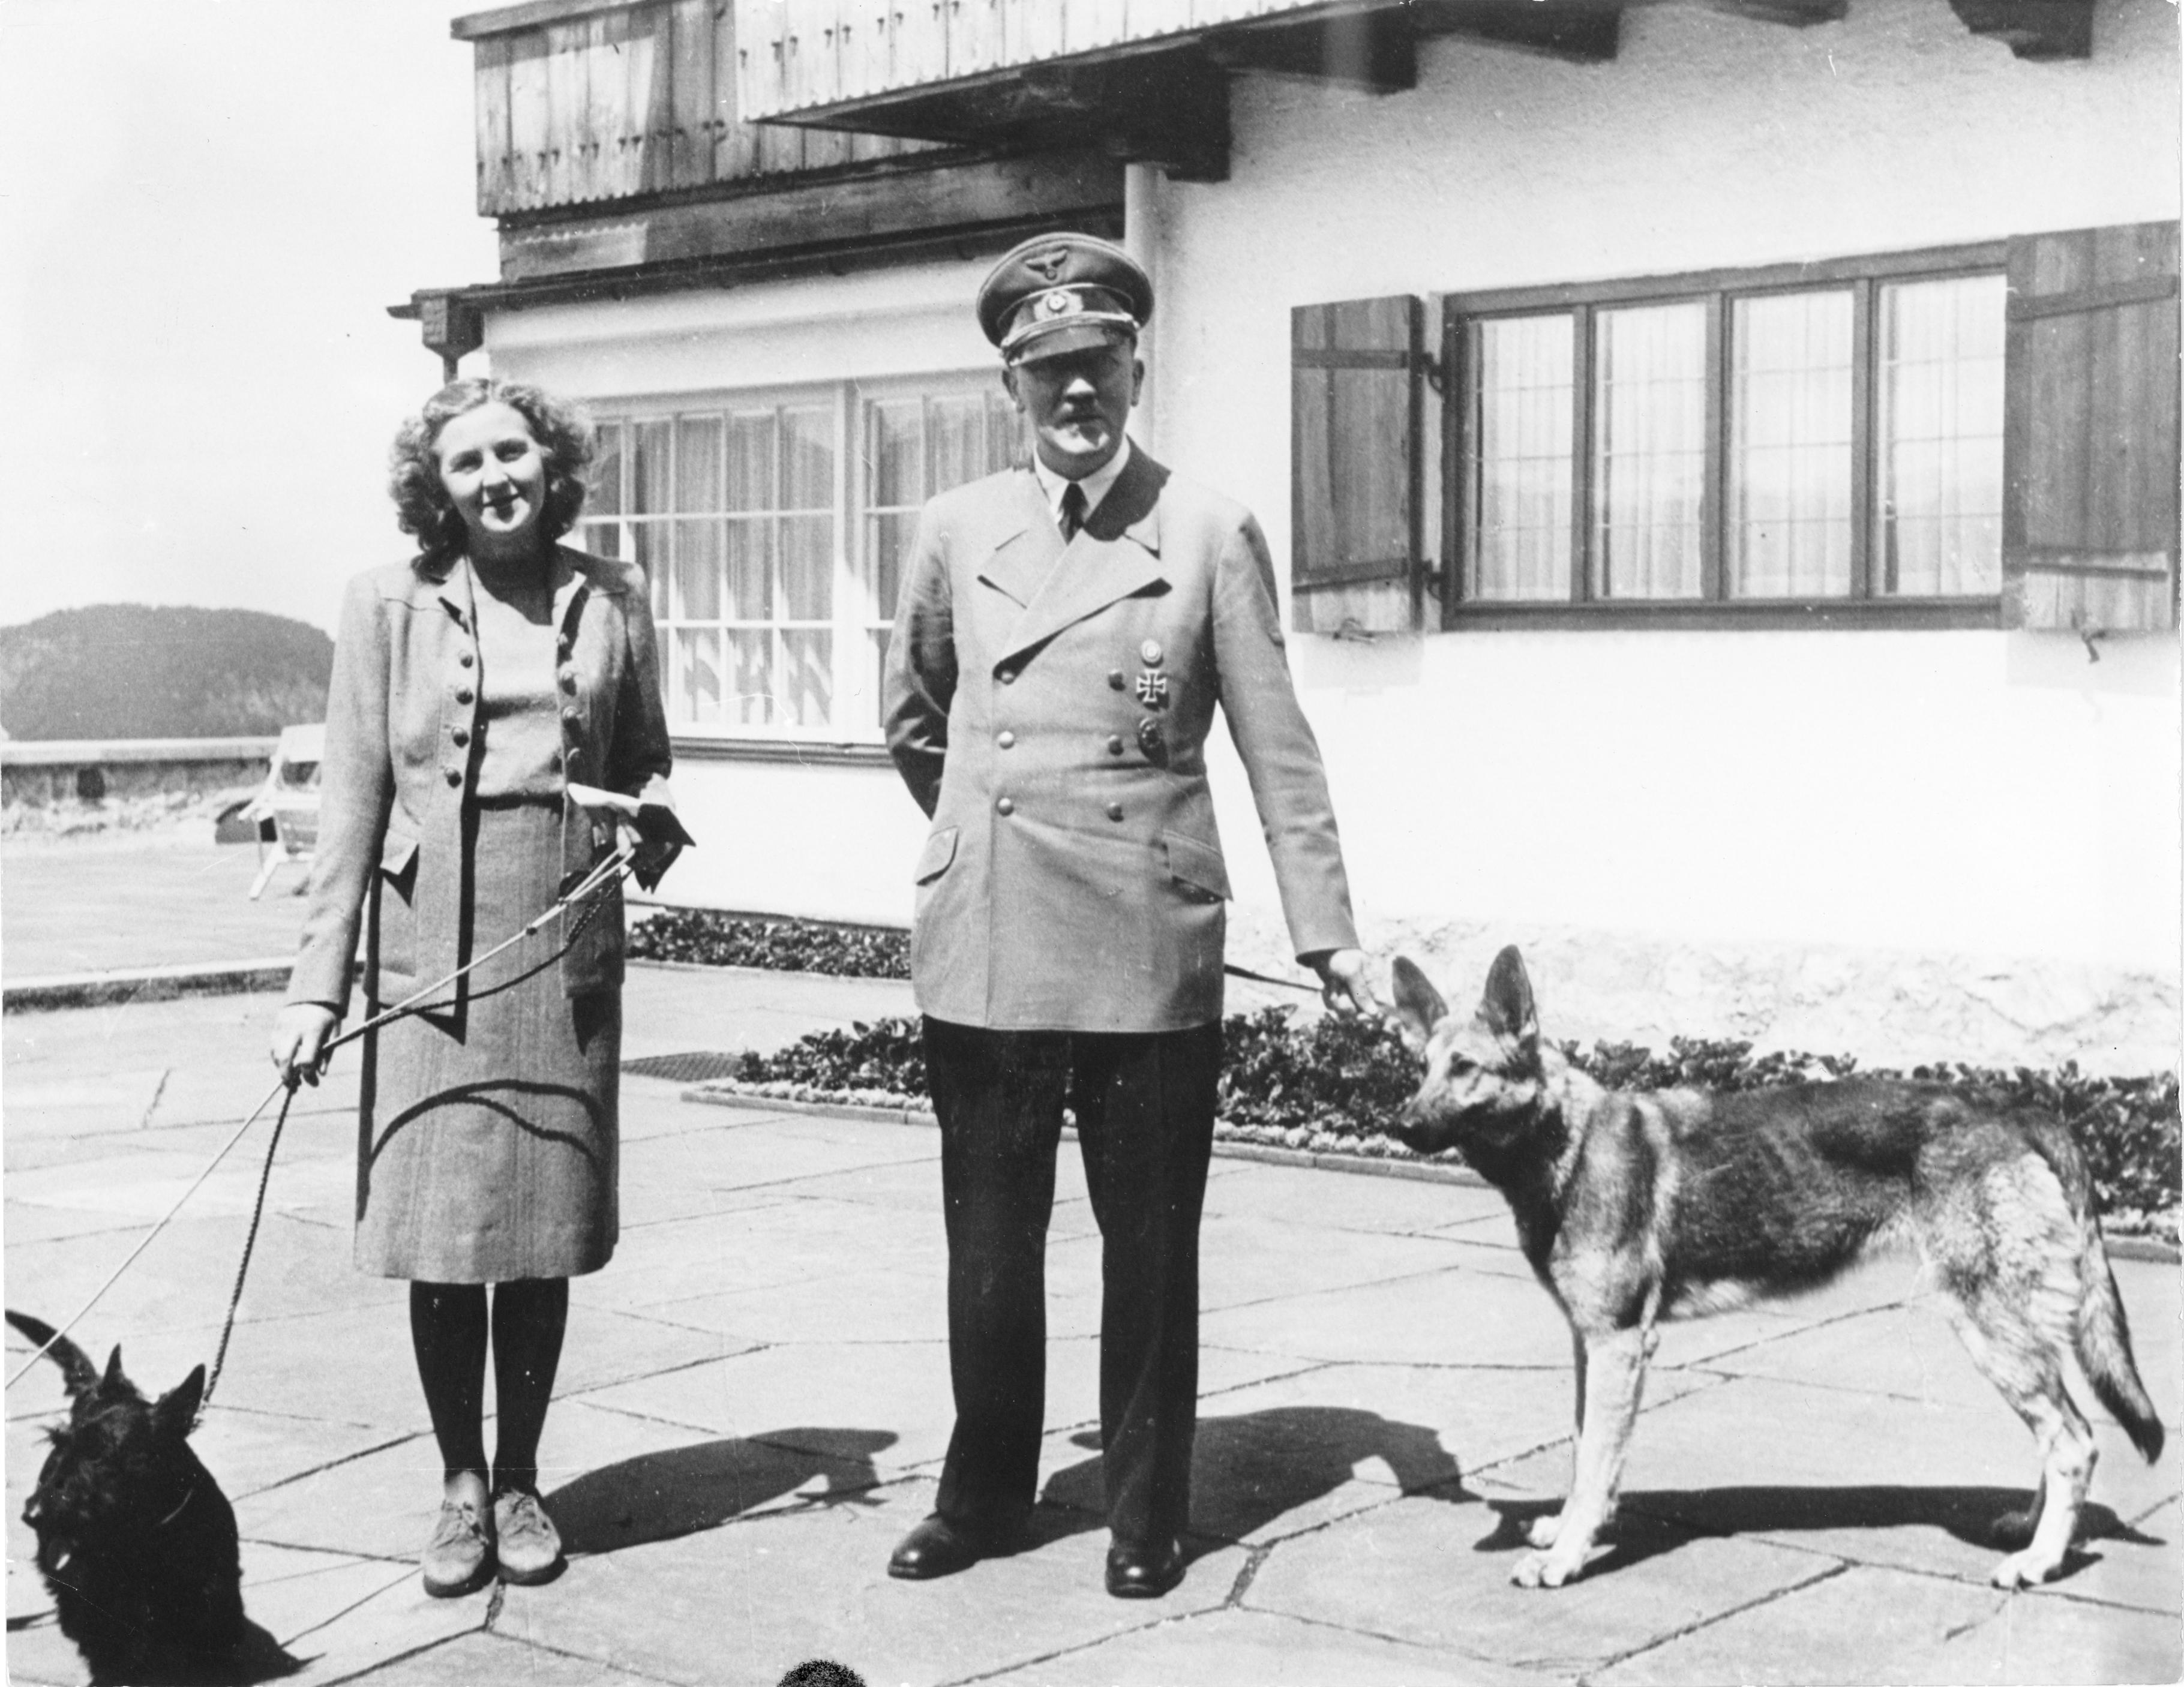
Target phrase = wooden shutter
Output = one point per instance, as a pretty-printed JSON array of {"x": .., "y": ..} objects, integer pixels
[
  {"x": 1357, "y": 374},
  {"x": 2089, "y": 531}
]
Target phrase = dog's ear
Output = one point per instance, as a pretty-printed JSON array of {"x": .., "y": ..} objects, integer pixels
[
  {"x": 176, "y": 1413},
  {"x": 1506, "y": 1008},
  {"x": 113, "y": 1378},
  {"x": 1418, "y": 1005}
]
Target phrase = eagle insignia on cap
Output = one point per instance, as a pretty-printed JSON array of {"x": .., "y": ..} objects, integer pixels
[{"x": 1048, "y": 264}]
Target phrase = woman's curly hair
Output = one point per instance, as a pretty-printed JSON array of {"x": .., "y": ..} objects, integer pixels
[{"x": 564, "y": 435}]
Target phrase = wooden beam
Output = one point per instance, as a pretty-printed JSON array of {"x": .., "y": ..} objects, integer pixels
[
  {"x": 2034, "y": 29},
  {"x": 1374, "y": 51}
]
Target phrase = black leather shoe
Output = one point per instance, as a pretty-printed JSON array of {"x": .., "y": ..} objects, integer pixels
[
  {"x": 1144, "y": 1572},
  {"x": 935, "y": 1547}
]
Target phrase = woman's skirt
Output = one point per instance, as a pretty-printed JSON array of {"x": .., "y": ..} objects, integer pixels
[{"x": 488, "y": 1142}]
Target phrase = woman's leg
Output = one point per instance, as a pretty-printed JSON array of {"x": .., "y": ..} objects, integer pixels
[
  {"x": 529, "y": 1318},
  {"x": 448, "y": 1327}
]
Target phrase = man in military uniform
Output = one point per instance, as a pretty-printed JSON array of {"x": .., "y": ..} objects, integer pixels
[{"x": 1065, "y": 632}]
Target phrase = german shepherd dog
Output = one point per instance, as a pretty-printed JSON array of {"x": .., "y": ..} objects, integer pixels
[
  {"x": 1635, "y": 1207},
  {"x": 136, "y": 1543}
]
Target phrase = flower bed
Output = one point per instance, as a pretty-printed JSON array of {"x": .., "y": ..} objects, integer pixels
[
  {"x": 708, "y": 938},
  {"x": 1325, "y": 1086}
]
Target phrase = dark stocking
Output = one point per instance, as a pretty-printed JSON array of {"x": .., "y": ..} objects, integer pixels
[
  {"x": 529, "y": 1318},
  {"x": 448, "y": 1327}
]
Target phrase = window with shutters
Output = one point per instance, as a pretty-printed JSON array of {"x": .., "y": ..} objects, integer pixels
[
  {"x": 1976, "y": 436},
  {"x": 774, "y": 527}
]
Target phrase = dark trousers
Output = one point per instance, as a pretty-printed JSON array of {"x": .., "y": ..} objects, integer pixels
[{"x": 1144, "y": 1104}]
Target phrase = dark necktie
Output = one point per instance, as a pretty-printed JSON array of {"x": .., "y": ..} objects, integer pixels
[{"x": 1073, "y": 510}]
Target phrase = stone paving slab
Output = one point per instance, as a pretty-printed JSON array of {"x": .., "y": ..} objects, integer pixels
[{"x": 754, "y": 1400}]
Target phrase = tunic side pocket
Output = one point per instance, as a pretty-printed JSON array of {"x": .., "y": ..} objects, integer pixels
[{"x": 1196, "y": 868}]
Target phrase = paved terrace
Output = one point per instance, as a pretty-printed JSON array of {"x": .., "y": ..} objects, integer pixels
[{"x": 753, "y": 1404}]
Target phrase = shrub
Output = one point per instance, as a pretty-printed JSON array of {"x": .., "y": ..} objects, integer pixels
[
  {"x": 1328, "y": 1085},
  {"x": 716, "y": 940}
]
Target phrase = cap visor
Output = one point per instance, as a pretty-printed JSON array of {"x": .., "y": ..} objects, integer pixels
[{"x": 1068, "y": 336}]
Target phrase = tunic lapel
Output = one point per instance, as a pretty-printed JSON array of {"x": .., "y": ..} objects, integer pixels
[{"x": 1117, "y": 555}]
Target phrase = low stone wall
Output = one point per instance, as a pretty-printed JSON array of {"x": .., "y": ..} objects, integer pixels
[
  {"x": 1888, "y": 1008},
  {"x": 90, "y": 771}
]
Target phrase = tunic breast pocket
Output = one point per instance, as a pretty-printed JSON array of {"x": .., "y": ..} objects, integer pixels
[{"x": 395, "y": 930}]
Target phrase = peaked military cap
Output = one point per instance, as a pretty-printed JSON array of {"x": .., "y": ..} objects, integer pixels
[{"x": 1060, "y": 293}]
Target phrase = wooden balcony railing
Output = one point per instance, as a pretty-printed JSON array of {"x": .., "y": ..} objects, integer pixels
[
  {"x": 805, "y": 55},
  {"x": 583, "y": 101}
]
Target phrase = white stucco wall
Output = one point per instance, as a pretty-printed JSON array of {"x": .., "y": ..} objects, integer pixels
[{"x": 1899, "y": 845}]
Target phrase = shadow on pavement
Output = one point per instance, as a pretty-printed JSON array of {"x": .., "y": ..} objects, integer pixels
[
  {"x": 660, "y": 1496},
  {"x": 1249, "y": 1469},
  {"x": 1660, "y": 1521}
]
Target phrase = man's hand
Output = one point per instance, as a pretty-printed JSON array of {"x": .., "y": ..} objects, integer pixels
[
  {"x": 1345, "y": 981},
  {"x": 301, "y": 1031}
]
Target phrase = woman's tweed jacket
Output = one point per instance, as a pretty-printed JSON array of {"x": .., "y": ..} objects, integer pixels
[{"x": 401, "y": 754}]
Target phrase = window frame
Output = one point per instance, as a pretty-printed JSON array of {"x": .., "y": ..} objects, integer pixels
[
  {"x": 848, "y": 399},
  {"x": 1717, "y": 289}
]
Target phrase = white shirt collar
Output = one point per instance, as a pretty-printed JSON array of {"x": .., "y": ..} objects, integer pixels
[{"x": 1095, "y": 484}]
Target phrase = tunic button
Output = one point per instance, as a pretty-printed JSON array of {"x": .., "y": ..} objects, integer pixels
[
  {"x": 571, "y": 718},
  {"x": 454, "y": 776},
  {"x": 1006, "y": 805},
  {"x": 1149, "y": 653},
  {"x": 1114, "y": 810},
  {"x": 1006, "y": 741},
  {"x": 1008, "y": 676},
  {"x": 466, "y": 658},
  {"x": 1115, "y": 745},
  {"x": 465, "y": 695},
  {"x": 1115, "y": 681},
  {"x": 461, "y": 736},
  {"x": 568, "y": 677}
]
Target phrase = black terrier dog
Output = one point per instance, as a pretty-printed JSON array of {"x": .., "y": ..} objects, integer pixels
[{"x": 136, "y": 1542}]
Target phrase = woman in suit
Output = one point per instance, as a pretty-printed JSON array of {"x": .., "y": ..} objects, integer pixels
[{"x": 471, "y": 686}]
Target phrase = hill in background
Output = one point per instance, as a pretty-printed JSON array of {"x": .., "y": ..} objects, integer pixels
[{"x": 129, "y": 671}]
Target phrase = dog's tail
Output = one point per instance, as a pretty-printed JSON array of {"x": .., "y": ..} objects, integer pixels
[
  {"x": 76, "y": 1367},
  {"x": 2103, "y": 1333}
]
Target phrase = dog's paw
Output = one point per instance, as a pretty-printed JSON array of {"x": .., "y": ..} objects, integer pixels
[
  {"x": 2013, "y": 1529},
  {"x": 2024, "y": 1570},
  {"x": 1544, "y": 1529},
  {"x": 1544, "y": 1570}
]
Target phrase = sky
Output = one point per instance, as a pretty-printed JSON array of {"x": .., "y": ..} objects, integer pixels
[{"x": 206, "y": 206}]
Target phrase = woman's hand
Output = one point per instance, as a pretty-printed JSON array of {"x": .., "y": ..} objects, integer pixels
[{"x": 301, "y": 1031}]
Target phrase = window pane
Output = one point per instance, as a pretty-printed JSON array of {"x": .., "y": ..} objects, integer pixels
[
  {"x": 1005, "y": 444},
  {"x": 699, "y": 550},
  {"x": 1519, "y": 471},
  {"x": 886, "y": 547},
  {"x": 1938, "y": 514},
  {"x": 894, "y": 438},
  {"x": 751, "y": 446},
  {"x": 1790, "y": 446},
  {"x": 806, "y": 696},
  {"x": 807, "y": 567},
  {"x": 698, "y": 466},
  {"x": 807, "y": 457},
  {"x": 1649, "y": 450},
  {"x": 697, "y": 679},
  {"x": 750, "y": 670},
  {"x": 600, "y": 538},
  {"x": 751, "y": 569},
  {"x": 956, "y": 438},
  {"x": 650, "y": 538},
  {"x": 605, "y": 498},
  {"x": 649, "y": 488}
]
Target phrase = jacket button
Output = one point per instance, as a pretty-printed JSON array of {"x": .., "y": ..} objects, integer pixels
[
  {"x": 1006, "y": 805},
  {"x": 1114, "y": 810},
  {"x": 571, "y": 718},
  {"x": 553, "y": 764},
  {"x": 461, "y": 736},
  {"x": 568, "y": 678},
  {"x": 466, "y": 659},
  {"x": 576, "y": 754},
  {"x": 1115, "y": 681},
  {"x": 465, "y": 695},
  {"x": 1006, "y": 741},
  {"x": 1114, "y": 745},
  {"x": 1008, "y": 676},
  {"x": 455, "y": 775}
]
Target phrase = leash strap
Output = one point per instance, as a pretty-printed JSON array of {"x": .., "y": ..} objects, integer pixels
[
  {"x": 1262, "y": 978},
  {"x": 608, "y": 871}
]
